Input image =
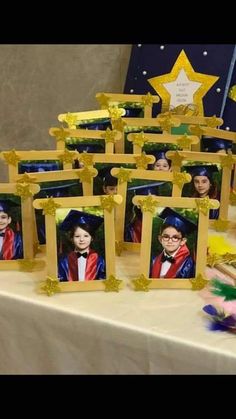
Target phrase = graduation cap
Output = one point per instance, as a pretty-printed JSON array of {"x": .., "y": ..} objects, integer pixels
[
  {"x": 57, "y": 191},
  {"x": 146, "y": 189},
  {"x": 132, "y": 112},
  {"x": 212, "y": 144},
  {"x": 202, "y": 170},
  {"x": 107, "y": 178},
  {"x": 75, "y": 217},
  {"x": 39, "y": 167},
  {"x": 86, "y": 147},
  {"x": 6, "y": 205},
  {"x": 99, "y": 125},
  {"x": 178, "y": 221}
]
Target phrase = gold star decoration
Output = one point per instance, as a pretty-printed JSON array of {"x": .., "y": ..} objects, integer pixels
[
  {"x": 148, "y": 204},
  {"x": 86, "y": 174},
  {"x": 67, "y": 156},
  {"x": 142, "y": 161},
  {"x": 49, "y": 207},
  {"x": 118, "y": 124},
  {"x": 184, "y": 141},
  {"x": 103, "y": 100},
  {"x": 196, "y": 130},
  {"x": 232, "y": 198},
  {"x": 221, "y": 225},
  {"x": 227, "y": 161},
  {"x": 147, "y": 100},
  {"x": 177, "y": 158},
  {"x": 203, "y": 204},
  {"x": 115, "y": 112},
  {"x": 124, "y": 175},
  {"x": 229, "y": 258},
  {"x": 86, "y": 158},
  {"x": 213, "y": 122},
  {"x": 180, "y": 179},
  {"x": 27, "y": 265},
  {"x": 120, "y": 246},
  {"x": 60, "y": 133},
  {"x": 199, "y": 282},
  {"x": 70, "y": 119},
  {"x": 26, "y": 178},
  {"x": 11, "y": 157},
  {"x": 50, "y": 286},
  {"x": 23, "y": 190},
  {"x": 110, "y": 136},
  {"x": 108, "y": 202},
  {"x": 213, "y": 259},
  {"x": 182, "y": 80},
  {"x": 112, "y": 284},
  {"x": 165, "y": 123},
  {"x": 141, "y": 283},
  {"x": 232, "y": 93},
  {"x": 139, "y": 139}
]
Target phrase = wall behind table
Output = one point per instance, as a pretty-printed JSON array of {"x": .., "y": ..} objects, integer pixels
[{"x": 37, "y": 82}]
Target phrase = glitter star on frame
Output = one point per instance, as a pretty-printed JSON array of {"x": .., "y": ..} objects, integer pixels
[{"x": 112, "y": 284}]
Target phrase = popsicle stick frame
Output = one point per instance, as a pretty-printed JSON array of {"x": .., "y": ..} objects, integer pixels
[
  {"x": 62, "y": 136},
  {"x": 22, "y": 243},
  {"x": 13, "y": 158},
  {"x": 183, "y": 141},
  {"x": 126, "y": 175},
  {"x": 74, "y": 118},
  {"x": 209, "y": 121},
  {"x": 50, "y": 207},
  {"x": 149, "y": 206},
  {"x": 146, "y": 101},
  {"x": 226, "y": 161}
]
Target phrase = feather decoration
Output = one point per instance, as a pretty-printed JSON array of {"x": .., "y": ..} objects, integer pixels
[
  {"x": 223, "y": 290},
  {"x": 218, "y": 244},
  {"x": 219, "y": 320}
]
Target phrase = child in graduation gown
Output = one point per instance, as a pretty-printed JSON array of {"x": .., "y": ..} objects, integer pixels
[
  {"x": 82, "y": 263},
  {"x": 175, "y": 260},
  {"x": 11, "y": 246}
]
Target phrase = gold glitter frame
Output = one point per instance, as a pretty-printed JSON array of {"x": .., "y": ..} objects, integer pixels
[
  {"x": 51, "y": 283},
  {"x": 149, "y": 204}
]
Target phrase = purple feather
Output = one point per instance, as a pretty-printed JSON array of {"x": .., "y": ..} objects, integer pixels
[{"x": 209, "y": 309}]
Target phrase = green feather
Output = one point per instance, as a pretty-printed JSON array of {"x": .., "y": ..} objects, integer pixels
[{"x": 223, "y": 290}]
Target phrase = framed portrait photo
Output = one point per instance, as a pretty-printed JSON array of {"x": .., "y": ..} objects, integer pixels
[
  {"x": 174, "y": 241},
  {"x": 81, "y": 251}
]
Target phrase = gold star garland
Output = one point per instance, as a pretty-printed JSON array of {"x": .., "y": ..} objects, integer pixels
[
  {"x": 67, "y": 156},
  {"x": 112, "y": 284},
  {"x": 221, "y": 225},
  {"x": 227, "y": 161},
  {"x": 110, "y": 136},
  {"x": 229, "y": 258},
  {"x": 232, "y": 93},
  {"x": 199, "y": 282},
  {"x": 61, "y": 134},
  {"x": 26, "y": 179},
  {"x": 23, "y": 190},
  {"x": 196, "y": 130},
  {"x": 141, "y": 283},
  {"x": 189, "y": 110},
  {"x": 147, "y": 100},
  {"x": 203, "y": 204},
  {"x": 103, "y": 100},
  {"x": 212, "y": 122},
  {"x": 86, "y": 174},
  {"x": 142, "y": 161},
  {"x": 120, "y": 246},
  {"x": 108, "y": 202},
  {"x": 148, "y": 204},
  {"x": 180, "y": 178},
  {"x": 70, "y": 119},
  {"x": 50, "y": 286},
  {"x": 49, "y": 207},
  {"x": 184, "y": 141},
  {"x": 124, "y": 175},
  {"x": 140, "y": 139},
  {"x": 213, "y": 259},
  {"x": 86, "y": 158},
  {"x": 11, "y": 157}
]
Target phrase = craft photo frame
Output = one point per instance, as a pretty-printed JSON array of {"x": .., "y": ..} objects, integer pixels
[
  {"x": 225, "y": 162},
  {"x": 72, "y": 119},
  {"x": 128, "y": 175},
  {"x": 19, "y": 241},
  {"x": 83, "y": 204},
  {"x": 150, "y": 206}
]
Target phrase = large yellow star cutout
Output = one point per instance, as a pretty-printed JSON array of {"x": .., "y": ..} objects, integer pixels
[{"x": 182, "y": 85}]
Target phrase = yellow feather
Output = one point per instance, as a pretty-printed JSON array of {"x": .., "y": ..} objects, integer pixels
[{"x": 218, "y": 244}]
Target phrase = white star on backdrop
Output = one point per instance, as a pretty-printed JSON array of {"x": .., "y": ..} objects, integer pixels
[{"x": 181, "y": 90}]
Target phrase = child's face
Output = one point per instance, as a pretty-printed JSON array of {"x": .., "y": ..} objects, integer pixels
[
  {"x": 171, "y": 239},
  {"x": 202, "y": 185},
  {"x": 4, "y": 220},
  {"x": 110, "y": 190},
  {"x": 81, "y": 239},
  {"x": 161, "y": 164}
]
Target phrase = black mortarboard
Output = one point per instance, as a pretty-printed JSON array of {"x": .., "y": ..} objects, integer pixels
[
  {"x": 75, "y": 217},
  {"x": 212, "y": 144},
  {"x": 85, "y": 147},
  {"x": 6, "y": 205},
  {"x": 201, "y": 170},
  {"x": 132, "y": 112},
  {"x": 96, "y": 125},
  {"x": 39, "y": 167},
  {"x": 178, "y": 221},
  {"x": 146, "y": 189},
  {"x": 57, "y": 191},
  {"x": 107, "y": 178}
]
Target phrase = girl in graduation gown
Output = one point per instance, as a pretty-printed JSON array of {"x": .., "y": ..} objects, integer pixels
[
  {"x": 83, "y": 263},
  {"x": 11, "y": 246}
]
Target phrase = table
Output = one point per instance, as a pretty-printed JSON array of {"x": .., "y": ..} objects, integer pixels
[{"x": 130, "y": 332}]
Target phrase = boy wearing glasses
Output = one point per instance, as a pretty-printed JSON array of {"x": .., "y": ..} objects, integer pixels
[{"x": 175, "y": 260}]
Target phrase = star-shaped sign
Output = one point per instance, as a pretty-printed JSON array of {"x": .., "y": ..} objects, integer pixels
[{"x": 182, "y": 85}]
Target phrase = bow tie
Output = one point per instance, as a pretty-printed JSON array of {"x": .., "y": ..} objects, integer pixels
[
  {"x": 84, "y": 255},
  {"x": 2, "y": 234},
  {"x": 170, "y": 259}
]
